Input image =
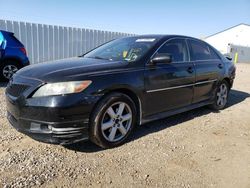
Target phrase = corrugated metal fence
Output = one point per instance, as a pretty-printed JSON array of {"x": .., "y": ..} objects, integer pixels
[{"x": 51, "y": 42}]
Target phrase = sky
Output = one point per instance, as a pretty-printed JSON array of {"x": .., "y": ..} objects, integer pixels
[{"x": 197, "y": 18}]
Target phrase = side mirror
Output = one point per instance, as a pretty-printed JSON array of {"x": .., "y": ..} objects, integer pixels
[
  {"x": 228, "y": 57},
  {"x": 161, "y": 58}
]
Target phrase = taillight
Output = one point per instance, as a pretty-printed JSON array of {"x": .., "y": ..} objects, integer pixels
[{"x": 23, "y": 50}]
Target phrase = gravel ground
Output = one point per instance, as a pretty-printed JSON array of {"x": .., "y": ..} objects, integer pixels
[{"x": 199, "y": 148}]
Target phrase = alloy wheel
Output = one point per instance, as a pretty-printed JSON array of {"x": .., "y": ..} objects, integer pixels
[
  {"x": 116, "y": 121},
  {"x": 222, "y": 95},
  {"x": 9, "y": 70}
]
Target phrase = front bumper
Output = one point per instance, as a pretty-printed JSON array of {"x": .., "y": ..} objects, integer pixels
[
  {"x": 57, "y": 120},
  {"x": 48, "y": 132}
]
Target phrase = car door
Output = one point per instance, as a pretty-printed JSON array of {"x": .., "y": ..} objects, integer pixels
[
  {"x": 208, "y": 68},
  {"x": 169, "y": 85}
]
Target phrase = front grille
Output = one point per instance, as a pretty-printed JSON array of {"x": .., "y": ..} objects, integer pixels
[{"x": 16, "y": 90}]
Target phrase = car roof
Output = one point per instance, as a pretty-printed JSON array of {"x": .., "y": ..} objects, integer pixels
[{"x": 161, "y": 36}]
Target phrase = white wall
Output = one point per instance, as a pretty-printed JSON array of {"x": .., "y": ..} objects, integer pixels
[{"x": 239, "y": 35}]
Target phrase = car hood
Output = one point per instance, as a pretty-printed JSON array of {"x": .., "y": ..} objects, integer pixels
[{"x": 69, "y": 69}]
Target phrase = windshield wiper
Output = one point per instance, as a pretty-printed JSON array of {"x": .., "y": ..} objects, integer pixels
[{"x": 98, "y": 57}]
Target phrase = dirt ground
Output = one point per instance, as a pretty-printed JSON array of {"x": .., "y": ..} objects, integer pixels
[{"x": 199, "y": 148}]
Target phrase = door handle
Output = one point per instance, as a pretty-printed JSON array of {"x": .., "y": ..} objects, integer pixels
[
  {"x": 220, "y": 66},
  {"x": 190, "y": 70}
]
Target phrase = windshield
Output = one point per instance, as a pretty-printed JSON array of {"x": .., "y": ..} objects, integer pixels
[{"x": 125, "y": 49}]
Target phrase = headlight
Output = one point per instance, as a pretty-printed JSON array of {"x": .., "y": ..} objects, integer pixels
[{"x": 61, "y": 88}]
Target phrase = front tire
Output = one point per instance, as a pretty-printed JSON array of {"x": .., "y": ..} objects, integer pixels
[
  {"x": 112, "y": 120},
  {"x": 221, "y": 96}
]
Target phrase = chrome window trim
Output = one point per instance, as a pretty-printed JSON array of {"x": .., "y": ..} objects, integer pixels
[{"x": 181, "y": 86}]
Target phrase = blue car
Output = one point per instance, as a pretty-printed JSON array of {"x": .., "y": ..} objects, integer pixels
[{"x": 13, "y": 55}]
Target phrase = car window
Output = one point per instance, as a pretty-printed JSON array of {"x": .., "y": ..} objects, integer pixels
[
  {"x": 213, "y": 54},
  {"x": 201, "y": 51},
  {"x": 177, "y": 48}
]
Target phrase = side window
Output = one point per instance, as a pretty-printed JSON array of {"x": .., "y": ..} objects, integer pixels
[
  {"x": 176, "y": 48},
  {"x": 201, "y": 51},
  {"x": 213, "y": 54}
]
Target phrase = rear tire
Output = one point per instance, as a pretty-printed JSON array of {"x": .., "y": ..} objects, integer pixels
[
  {"x": 7, "y": 69},
  {"x": 112, "y": 120},
  {"x": 221, "y": 96}
]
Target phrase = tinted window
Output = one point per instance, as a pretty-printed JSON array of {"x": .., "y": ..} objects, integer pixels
[
  {"x": 176, "y": 48},
  {"x": 201, "y": 51},
  {"x": 213, "y": 53}
]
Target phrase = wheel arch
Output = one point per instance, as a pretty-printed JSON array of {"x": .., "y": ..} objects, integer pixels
[
  {"x": 226, "y": 79},
  {"x": 131, "y": 94},
  {"x": 17, "y": 61}
]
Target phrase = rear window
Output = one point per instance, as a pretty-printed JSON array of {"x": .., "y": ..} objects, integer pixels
[
  {"x": 11, "y": 40},
  {"x": 14, "y": 38}
]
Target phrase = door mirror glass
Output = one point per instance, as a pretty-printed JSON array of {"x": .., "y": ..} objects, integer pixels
[{"x": 161, "y": 58}]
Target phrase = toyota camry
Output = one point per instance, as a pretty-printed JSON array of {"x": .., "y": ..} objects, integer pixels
[{"x": 103, "y": 94}]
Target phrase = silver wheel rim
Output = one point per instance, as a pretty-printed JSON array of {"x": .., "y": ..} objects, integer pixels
[
  {"x": 9, "y": 70},
  {"x": 116, "y": 122},
  {"x": 222, "y": 95}
]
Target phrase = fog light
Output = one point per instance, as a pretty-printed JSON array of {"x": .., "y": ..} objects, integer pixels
[
  {"x": 40, "y": 128},
  {"x": 36, "y": 127},
  {"x": 44, "y": 127}
]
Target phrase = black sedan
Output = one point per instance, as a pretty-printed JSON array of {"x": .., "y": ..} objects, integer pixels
[{"x": 103, "y": 94}]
